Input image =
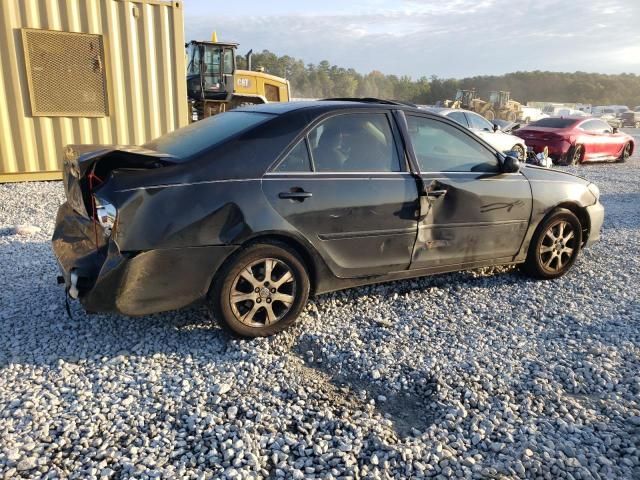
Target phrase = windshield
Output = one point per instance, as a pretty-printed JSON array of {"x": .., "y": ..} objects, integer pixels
[
  {"x": 554, "y": 122},
  {"x": 193, "y": 54},
  {"x": 186, "y": 142}
]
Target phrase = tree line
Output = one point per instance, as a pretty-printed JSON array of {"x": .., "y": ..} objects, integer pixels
[{"x": 325, "y": 80}]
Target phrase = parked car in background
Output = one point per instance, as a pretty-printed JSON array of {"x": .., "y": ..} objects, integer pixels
[
  {"x": 253, "y": 210},
  {"x": 630, "y": 118},
  {"x": 490, "y": 132},
  {"x": 573, "y": 140},
  {"x": 532, "y": 114}
]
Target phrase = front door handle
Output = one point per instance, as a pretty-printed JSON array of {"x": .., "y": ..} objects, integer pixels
[
  {"x": 436, "y": 193},
  {"x": 299, "y": 195}
]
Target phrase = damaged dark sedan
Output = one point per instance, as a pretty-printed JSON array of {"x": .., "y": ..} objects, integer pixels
[{"x": 253, "y": 210}]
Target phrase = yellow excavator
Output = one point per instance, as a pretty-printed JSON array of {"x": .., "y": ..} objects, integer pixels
[{"x": 215, "y": 84}]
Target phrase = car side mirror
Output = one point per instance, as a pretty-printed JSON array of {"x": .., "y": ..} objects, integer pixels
[
  {"x": 496, "y": 127},
  {"x": 511, "y": 164},
  {"x": 614, "y": 130}
]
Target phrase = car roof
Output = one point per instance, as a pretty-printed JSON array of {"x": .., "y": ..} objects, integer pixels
[
  {"x": 446, "y": 110},
  {"x": 279, "y": 108}
]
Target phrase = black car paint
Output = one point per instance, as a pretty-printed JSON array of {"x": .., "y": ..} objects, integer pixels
[{"x": 179, "y": 222}]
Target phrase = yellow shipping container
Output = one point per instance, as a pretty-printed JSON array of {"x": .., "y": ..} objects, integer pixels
[{"x": 86, "y": 71}]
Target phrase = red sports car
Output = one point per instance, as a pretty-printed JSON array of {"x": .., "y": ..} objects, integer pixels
[{"x": 573, "y": 140}]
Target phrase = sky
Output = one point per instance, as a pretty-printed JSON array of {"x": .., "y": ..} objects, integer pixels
[{"x": 447, "y": 38}]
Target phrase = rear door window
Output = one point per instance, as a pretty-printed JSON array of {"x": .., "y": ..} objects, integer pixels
[
  {"x": 358, "y": 142},
  {"x": 479, "y": 123},
  {"x": 459, "y": 117},
  {"x": 297, "y": 160}
]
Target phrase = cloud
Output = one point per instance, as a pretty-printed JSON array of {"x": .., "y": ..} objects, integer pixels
[{"x": 447, "y": 38}]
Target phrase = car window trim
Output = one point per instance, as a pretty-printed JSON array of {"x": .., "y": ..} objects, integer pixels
[
  {"x": 459, "y": 127},
  {"x": 325, "y": 116}
]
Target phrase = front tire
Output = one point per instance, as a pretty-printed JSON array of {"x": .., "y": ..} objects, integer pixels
[
  {"x": 555, "y": 246},
  {"x": 261, "y": 291}
]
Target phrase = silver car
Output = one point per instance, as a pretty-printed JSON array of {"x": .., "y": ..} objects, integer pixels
[{"x": 489, "y": 132}]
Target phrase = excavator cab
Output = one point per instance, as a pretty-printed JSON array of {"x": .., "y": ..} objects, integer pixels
[
  {"x": 465, "y": 97},
  {"x": 210, "y": 69},
  {"x": 215, "y": 85},
  {"x": 499, "y": 99}
]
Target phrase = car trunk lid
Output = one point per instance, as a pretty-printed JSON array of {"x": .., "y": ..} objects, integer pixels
[{"x": 87, "y": 167}]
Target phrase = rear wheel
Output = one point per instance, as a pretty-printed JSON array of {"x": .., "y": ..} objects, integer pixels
[
  {"x": 574, "y": 155},
  {"x": 555, "y": 245},
  {"x": 626, "y": 153},
  {"x": 261, "y": 291},
  {"x": 490, "y": 115}
]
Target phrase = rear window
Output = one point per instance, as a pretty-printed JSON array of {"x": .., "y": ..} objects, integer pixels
[
  {"x": 204, "y": 134},
  {"x": 554, "y": 122}
]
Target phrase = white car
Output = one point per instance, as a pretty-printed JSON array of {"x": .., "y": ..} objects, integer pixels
[
  {"x": 532, "y": 114},
  {"x": 490, "y": 133}
]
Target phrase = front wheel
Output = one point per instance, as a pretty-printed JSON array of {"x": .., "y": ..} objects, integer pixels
[
  {"x": 490, "y": 115},
  {"x": 261, "y": 291},
  {"x": 555, "y": 245}
]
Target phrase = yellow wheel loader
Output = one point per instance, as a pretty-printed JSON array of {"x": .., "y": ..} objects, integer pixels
[
  {"x": 215, "y": 85},
  {"x": 498, "y": 106}
]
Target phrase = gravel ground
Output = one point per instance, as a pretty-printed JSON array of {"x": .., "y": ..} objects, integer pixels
[{"x": 482, "y": 374}]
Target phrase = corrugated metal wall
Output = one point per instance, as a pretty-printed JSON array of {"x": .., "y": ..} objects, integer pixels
[{"x": 144, "y": 69}]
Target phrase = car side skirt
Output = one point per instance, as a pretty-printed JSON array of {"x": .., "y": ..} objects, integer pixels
[{"x": 332, "y": 284}]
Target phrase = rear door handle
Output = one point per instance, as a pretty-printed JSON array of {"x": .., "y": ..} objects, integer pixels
[
  {"x": 300, "y": 196},
  {"x": 436, "y": 193}
]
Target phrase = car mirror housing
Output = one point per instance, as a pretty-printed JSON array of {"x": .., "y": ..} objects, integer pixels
[
  {"x": 496, "y": 127},
  {"x": 614, "y": 130},
  {"x": 511, "y": 164}
]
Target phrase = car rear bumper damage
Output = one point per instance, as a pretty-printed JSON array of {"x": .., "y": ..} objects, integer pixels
[
  {"x": 131, "y": 283},
  {"x": 557, "y": 150}
]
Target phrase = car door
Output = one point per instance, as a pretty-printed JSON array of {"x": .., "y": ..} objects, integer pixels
[
  {"x": 470, "y": 210},
  {"x": 592, "y": 138},
  {"x": 610, "y": 144},
  {"x": 346, "y": 188}
]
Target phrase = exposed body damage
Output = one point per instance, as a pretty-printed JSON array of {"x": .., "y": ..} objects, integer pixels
[{"x": 178, "y": 218}]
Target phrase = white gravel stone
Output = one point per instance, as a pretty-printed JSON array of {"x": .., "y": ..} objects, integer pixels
[
  {"x": 27, "y": 230},
  {"x": 478, "y": 374}
]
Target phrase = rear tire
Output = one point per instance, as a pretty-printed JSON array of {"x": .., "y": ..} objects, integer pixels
[
  {"x": 555, "y": 245},
  {"x": 574, "y": 155},
  {"x": 626, "y": 153},
  {"x": 261, "y": 291},
  {"x": 517, "y": 148}
]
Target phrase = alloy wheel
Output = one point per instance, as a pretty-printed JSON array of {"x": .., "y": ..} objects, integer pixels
[
  {"x": 558, "y": 246},
  {"x": 519, "y": 151},
  {"x": 577, "y": 154},
  {"x": 263, "y": 292}
]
